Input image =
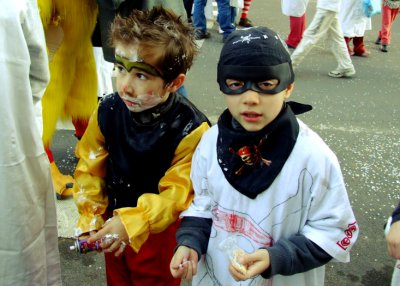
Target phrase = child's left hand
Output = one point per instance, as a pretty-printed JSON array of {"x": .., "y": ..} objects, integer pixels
[
  {"x": 255, "y": 263},
  {"x": 113, "y": 235}
]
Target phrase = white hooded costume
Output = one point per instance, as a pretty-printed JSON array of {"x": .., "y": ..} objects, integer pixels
[{"x": 29, "y": 248}]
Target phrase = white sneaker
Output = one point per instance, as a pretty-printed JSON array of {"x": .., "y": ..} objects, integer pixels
[{"x": 342, "y": 73}]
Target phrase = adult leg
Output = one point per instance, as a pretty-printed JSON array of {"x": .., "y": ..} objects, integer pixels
[
  {"x": 244, "y": 21},
  {"x": 392, "y": 13},
  {"x": 384, "y": 32},
  {"x": 339, "y": 49},
  {"x": 225, "y": 17},
  {"x": 233, "y": 18},
  {"x": 349, "y": 49},
  {"x": 188, "y": 7},
  {"x": 199, "y": 18},
  {"x": 314, "y": 32},
  {"x": 233, "y": 15},
  {"x": 359, "y": 47},
  {"x": 297, "y": 28}
]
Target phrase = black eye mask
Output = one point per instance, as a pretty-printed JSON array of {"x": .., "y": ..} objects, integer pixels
[{"x": 252, "y": 75}]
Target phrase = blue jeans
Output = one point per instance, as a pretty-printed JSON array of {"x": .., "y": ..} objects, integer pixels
[
  {"x": 233, "y": 16},
  {"x": 224, "y": 16}
]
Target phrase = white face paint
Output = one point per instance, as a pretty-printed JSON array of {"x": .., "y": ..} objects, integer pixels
[
  {"x": 141, "y": 102},
  {"x": 130, "y": 54}
]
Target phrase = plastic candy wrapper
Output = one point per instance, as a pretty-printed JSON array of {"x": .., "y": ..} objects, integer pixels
[{"x": 234, "y": 252}]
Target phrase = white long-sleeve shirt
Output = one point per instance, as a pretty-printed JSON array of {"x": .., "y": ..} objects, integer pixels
[{"x": 307, "y": 197}]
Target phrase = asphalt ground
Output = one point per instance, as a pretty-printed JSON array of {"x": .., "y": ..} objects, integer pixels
[{"x": 357, "y": 117}]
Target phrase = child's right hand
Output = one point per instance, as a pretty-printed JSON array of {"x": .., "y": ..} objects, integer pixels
[
  {"x": 393, "y": 240},
  {"x": 184, "y": 263}
]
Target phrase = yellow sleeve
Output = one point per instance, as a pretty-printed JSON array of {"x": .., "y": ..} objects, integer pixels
[
  {"x": 155, "y": 212},
  {"x": 89, "y": 189}
]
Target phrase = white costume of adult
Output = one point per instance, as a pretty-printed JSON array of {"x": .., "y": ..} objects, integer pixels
[
  {"x": 354, "y": 22},
  {"x": 29, "y": 248},
  {"x": 325, "y": 24},
  {"x": 313, "y": 202},
  {"x": 295, "y": 8}
]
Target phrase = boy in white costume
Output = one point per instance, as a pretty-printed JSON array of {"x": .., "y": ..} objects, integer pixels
[
  {"x": 29, "y": 242},
  {"x": 263, "y": 179}
]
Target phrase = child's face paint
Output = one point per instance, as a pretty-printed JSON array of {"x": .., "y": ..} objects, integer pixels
[
  {"x": 129, "y": 65},
  {"x": 130, "y": 54},
  {"x": 141, "y": 102},
  {"x": 138, "y": 83}
]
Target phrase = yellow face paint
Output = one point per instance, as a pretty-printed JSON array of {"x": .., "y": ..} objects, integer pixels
[{"x": 128, "y": 65}]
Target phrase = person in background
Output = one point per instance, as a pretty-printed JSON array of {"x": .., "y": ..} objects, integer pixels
[
  {"x": 270, "y": 204},
  {"x": 135, "y": 156},
  {"x": 29, "y": 242},
  {"x": 233, "y": 13},
  {"x": 390, "y": 10},
  {"x": 296, "y": 10},
  {"x": 326, "y": 24},
  {"x": 244, "y": 21},
  {"x": 224, "y": 19},
  {"x": 354, "y": 24},
  {"x": 188, "y": 8}
]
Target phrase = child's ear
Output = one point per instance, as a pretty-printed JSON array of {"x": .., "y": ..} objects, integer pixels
[
  {"x": 176, "y": 83},
  {"x": 289, "y": 90}
]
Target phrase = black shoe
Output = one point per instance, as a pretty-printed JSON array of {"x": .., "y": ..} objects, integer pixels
[
  {"x": 245, "y": 23},
  {"x": 290, "y": 47},
  {"x": 200, "y": 35},
  {"x": 378, "y": 41},
  {"x": 384, "y": 48}
]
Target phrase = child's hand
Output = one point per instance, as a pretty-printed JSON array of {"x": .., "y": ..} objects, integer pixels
[
  {"x": 184, "y": 263},
  {"x": 255, "y": 264},
  {"x": 393, "y": 240},
  {"x": 113, "y": 236}
]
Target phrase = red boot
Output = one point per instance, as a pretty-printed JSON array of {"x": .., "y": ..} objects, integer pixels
[{"x": 359, "y": 48}]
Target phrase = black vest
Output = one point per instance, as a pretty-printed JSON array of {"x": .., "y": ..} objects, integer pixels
[{"x": 141, "y": 146}]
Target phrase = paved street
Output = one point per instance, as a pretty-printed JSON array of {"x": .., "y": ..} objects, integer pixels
[{"x": 358, "y": 118}]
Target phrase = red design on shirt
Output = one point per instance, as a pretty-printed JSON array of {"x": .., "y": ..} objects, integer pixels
[
  {"x": 239, "y": 223},
  {"x": 346, "y": 241}
]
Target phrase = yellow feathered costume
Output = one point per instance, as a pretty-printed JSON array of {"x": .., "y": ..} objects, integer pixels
[{"x": 72, "y": 91}]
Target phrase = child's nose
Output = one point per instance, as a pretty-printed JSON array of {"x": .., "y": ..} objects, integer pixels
[
  {"x": 251, "y": 97},
  {"x": 126, "y": 88}
]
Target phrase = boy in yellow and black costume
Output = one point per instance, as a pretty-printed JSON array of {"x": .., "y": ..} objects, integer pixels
[{"x": 135, "y": 156}]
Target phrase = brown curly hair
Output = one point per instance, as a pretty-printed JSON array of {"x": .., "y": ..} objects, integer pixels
[{"x": 158, "y": 32}]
